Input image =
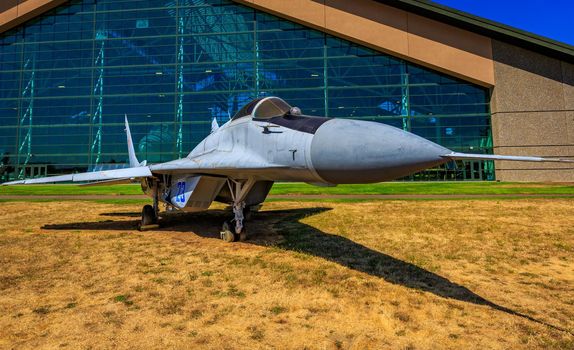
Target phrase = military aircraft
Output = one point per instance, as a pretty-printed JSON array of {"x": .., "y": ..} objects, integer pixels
[{"x": 267, "y": 141}]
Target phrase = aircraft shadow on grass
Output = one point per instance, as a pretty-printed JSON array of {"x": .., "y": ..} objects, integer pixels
[{"x": 269, "y": 226}]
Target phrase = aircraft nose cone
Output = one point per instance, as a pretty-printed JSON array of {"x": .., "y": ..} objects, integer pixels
[{"x": 352, "y": 151}]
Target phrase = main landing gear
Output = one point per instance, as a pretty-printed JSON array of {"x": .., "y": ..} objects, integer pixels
[
  {"x": 150, "y": 213},
  {"x": 234, "y": 230}
]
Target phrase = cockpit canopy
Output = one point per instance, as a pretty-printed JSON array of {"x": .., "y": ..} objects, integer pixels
[{"x": 264, "y": 108}]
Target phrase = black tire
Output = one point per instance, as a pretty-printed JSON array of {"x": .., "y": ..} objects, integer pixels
[
  {"x": 243, "y": 235},
  {"x": 228, "y": 236},
  {"x": 247, "y": 213},
  {"x": 148, "y": 216},
  {"x": 227, "y": 232}
]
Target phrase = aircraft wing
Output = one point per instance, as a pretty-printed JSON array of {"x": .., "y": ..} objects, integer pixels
[
  {"x": 106, "y": 175},
  {"x": 212, "y": 163},
  {"x": 217, "y": 163},
  {"x": 471, "y": 156}
]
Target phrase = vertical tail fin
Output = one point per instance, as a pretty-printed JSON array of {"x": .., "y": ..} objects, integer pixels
[
  {"x": 134, "y": 162},
  {"x": 214, "y": 125}
]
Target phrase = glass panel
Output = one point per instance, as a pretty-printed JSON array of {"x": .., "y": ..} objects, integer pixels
[
  {"x": 70, "y": 75},
  {"x": 270, "y": 107}
]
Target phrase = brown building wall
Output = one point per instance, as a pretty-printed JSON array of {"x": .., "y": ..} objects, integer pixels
[
  {"x": 532, "y": 113},
  {"x": 15, "y": 12},
  {"x": 430, "y": 43}
]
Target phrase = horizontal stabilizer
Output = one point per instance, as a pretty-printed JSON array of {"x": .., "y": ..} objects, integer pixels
[
  {"x": 116, "y": 174},
  {"x": 109, "y": 182},
  {"x": 470, "y": 156}
]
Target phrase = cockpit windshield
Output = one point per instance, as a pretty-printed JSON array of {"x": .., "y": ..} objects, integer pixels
[
  {"x": 264, "y": 108},
  {"x": 247, "y": 109},
  {"x": 271, "y": 107}
]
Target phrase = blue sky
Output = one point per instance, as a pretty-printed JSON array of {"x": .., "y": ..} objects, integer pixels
[{"x": 550, "y": 18}]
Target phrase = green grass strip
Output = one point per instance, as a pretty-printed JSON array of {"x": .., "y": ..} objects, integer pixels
[
  {"x": 442, "y": 188},
  {"x": 391, "y": 188}
]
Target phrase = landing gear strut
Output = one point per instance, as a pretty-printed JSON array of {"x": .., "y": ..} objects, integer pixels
[
  {"x": 234, "y": 229},
  {"x": 150, "y": 213},
  {"x": 149, "y": 216}
]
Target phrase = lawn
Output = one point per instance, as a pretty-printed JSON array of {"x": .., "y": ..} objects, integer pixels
[
  {"x": 440, "y": 188},
  {"x": 445, "y": 274},
  {"x": 392, "y": 188}
]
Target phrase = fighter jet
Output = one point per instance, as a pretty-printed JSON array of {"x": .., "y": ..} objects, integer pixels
[{"x": 268, "y": 141}]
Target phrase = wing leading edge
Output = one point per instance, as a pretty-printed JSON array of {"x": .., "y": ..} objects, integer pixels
[
  {"x": 216, "y": 163},
  {"x": 470, "y": 156},
  {"x": 106, "y": 175}
]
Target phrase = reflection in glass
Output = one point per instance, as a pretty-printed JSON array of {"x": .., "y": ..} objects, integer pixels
[{"x": 69, "y": 76}]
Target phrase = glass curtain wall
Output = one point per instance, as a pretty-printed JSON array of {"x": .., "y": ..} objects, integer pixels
[{"x": 69, "y": 77}]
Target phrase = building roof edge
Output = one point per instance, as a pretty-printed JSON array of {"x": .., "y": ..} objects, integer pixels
[{"x": 485, "y": 27}]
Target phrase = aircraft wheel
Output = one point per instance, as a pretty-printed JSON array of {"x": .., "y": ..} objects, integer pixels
[
  {"x": 247, "y": 213},
  {"x": 243, "y": 235},
  {"x": 148, "y": 216},
  {"x": 227, "y": 234}
]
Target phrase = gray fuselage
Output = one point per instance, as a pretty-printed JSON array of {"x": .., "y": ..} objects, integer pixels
[{"x": 322, "y": 150}]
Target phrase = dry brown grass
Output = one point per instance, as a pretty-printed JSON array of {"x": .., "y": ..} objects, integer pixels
[{"x": 392, "y": 274}]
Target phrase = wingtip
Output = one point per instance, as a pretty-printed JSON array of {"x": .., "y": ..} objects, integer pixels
[{"x": 10, "y": 183}]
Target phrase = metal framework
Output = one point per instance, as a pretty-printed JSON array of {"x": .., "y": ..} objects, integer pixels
[
  {"x": 235, "y": 55},
  {"x": 180, "y": 86},
  {"x": 325, "y": 78},
  {"x": 405, "y": 103},
  {"x": 256, "y": 67},
  {"x": 99, "y": 95},
  {"x": 25, "y": 121},
  {"x": 486, "y": 143}
]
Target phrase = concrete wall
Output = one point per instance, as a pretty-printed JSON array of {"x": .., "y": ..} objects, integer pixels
[{"x": 532, "y": 113}]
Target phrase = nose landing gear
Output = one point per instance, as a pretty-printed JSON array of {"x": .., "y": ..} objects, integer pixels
[
  {"x": 149, "y": 216},
  {"x": 150, "y": 213},
  {"x": 234, "y": 230},
  {"x": 228, "y": 234},
  {"x": 229, "y": 230}
]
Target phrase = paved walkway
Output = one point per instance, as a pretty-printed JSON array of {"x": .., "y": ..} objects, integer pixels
[
  {"x": 413, "y": 196},
  {"x": 305, "y": 196}
]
